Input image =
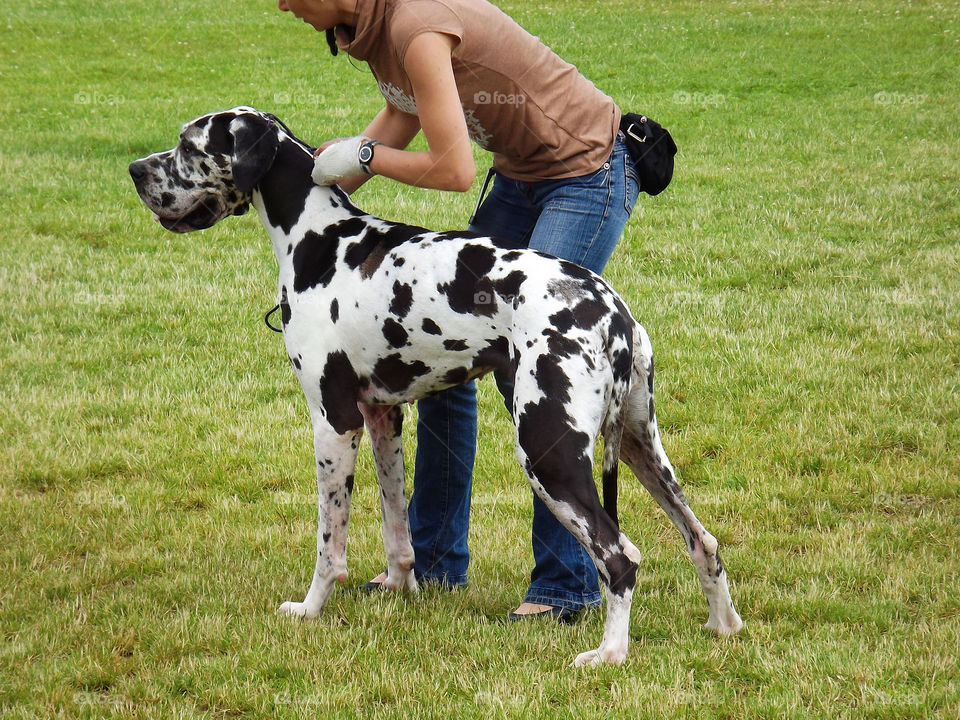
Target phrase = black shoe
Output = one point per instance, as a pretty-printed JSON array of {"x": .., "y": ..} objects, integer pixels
[
  {"x": 563, "y": 615},
  {"x": 371, "y": 586}
]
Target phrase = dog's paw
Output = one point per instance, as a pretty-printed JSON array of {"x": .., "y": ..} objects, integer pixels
[
  {"x": 587, "y": 659},
  {"x": 725, "y": 623},
  {"x": 297, "y": 609},
  {"x": 404, "y": 580},
  {"x": 599, "y": 656}
]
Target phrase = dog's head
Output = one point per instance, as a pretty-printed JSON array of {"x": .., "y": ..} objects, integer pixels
[{"x": 211, "y": 173}]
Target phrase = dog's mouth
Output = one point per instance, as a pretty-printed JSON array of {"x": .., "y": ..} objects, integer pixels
[{"x": 205, "y": 213}]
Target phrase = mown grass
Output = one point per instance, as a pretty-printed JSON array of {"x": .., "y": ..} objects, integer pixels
[{"x": 799, "y": 281}]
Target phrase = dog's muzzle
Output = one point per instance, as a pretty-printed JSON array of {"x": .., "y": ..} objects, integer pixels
[{"x": 206, "y": 211}]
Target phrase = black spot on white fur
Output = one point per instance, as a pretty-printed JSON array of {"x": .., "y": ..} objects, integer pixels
[
  {"x": 339, "y": 388},
  {"x": 284, "y": 307},
  {"x": 368, "y": 252},
  {"x": 402, "y": 299},
  {"x": 471, "y": 291},
  {"x": 315, "y": 259},
  {"x": 395, "y": 375},
  {"x": 394, "y": 333}
]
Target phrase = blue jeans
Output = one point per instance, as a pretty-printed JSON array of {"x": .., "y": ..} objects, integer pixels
[{"x": 579, "y": 219}]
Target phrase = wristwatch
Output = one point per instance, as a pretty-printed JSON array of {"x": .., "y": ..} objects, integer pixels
[{"x": 365, "y": 155}]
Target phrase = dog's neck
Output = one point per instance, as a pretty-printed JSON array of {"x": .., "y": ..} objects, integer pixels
[{"x": 287, "y": 197}]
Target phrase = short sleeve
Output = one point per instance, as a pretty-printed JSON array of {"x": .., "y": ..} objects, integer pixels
[{"x": 419, "y": 16}]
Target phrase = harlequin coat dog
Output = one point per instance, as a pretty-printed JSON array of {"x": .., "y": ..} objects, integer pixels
[{"x": 378, "y": 313}]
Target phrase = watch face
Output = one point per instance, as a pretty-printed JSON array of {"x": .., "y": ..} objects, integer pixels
[{"x": 366, "y": 153}]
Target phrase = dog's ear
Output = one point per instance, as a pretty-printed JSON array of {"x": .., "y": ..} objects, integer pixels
[{"x": 255, "y": 144}]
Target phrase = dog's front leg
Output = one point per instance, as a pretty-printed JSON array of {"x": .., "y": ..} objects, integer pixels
[
  {"x": 336, "y": 459},
  {"x": 384, "y": 423}
]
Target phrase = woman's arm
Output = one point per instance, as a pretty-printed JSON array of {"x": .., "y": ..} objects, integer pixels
[
  {"x": 448, "y": 163},
  {"x": 390, "y": 126}
]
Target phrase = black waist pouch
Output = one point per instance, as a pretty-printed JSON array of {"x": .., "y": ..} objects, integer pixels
[{"x": 652, "y": 149}]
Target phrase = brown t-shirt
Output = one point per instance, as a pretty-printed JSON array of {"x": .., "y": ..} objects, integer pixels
[{"x": 537, "y": 114}]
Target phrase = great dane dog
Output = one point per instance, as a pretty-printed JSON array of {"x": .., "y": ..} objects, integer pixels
[{"x": 377, "y": 313}]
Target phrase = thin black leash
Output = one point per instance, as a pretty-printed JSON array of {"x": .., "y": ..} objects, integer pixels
[
  {"x": 266, "y": 319},
  {"x": 483, "y": 191}
]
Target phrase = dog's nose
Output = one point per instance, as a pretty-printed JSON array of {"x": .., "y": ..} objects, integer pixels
[{"x": 137, "y": 170}]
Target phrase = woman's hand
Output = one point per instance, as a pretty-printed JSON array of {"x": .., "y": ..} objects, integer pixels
[
  {"x": 327, "y": 144},
  {"x": 337, "y": 160}
]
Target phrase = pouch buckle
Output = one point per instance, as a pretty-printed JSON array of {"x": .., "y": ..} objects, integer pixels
[{"x": 630, "y": 132}]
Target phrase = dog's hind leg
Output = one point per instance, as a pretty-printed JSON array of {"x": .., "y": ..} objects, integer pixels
[
  {"x": 643, "y": 451},
  {"x": 649, "y": 462},
  {"x": 571, "y": 495},
  {"x": 558, "y": 457},
  {"x": 336, "y": 455},
  {"x": 384, "y": 423}
]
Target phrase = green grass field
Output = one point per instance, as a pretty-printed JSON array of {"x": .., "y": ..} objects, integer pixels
[{"x": 800, "y": 281}]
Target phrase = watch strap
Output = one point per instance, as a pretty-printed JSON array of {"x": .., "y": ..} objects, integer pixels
[{"x": 365, "y": 155}]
